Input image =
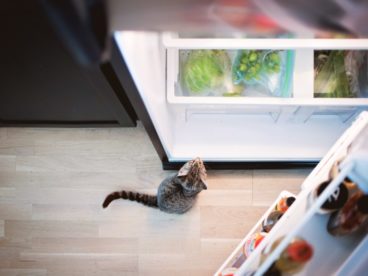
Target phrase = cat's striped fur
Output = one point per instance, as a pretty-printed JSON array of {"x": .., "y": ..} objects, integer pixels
[
  {"x": 176, "y": 194},
  {"x": 145, "y": 199}
]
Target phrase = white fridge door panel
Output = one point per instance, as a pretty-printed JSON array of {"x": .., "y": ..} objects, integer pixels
[{"x": 303, "y": 218}]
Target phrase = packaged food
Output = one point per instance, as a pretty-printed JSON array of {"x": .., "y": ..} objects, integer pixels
[
  {"x": 349, "y": 184},
  {"x": 268, "y": 72},
  {"x": 247, "y": 66},
  {"x": 251, "y": 244},
  {"x": 271, "y": 220},
  {"x": 334, "y": 202},
  {"x": 272, "y": 271},
  {"x": 340, "y": 74},
  {"x": 238, "y": 260},
  {"x": 284, "y": 203},
  {"x": 233, "y": 73},
  {"x": 352, "y": 217},
  {"x": 293, "y": 258},
  {"x": 204, "y": 72}
]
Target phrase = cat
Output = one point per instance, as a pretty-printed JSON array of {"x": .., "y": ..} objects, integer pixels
[{"x": 176, "y": 193}]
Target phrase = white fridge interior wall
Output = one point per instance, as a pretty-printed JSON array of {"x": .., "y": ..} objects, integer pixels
[
  {"x": 145, "y": 58},
  {"x": 240, "y": 128}
]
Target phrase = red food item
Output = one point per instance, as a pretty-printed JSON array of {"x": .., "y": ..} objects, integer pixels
[
  {"x": 284, "y": 203},
  {"x": 351, "y": 217},
  {"x": 300, "y": 251},
  {"x": 251, "y": 244}
]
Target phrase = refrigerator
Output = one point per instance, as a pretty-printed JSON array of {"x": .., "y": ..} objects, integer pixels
[
  {"x": 275, "y": 119},
  {"x": 180, "y": 64}
]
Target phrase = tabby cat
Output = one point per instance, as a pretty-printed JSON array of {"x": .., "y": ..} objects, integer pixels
[{"x": 176, "y": 193}]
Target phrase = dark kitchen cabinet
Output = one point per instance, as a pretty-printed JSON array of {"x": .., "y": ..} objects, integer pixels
[{"x": 42, "y": 84}]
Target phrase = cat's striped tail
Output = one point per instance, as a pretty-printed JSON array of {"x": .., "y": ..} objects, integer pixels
[{"x": 148, "y": 200}]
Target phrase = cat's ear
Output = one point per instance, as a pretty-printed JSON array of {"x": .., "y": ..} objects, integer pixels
[
  {"x": 185, "y": 169},
  {"x": 203, "y": 185}
]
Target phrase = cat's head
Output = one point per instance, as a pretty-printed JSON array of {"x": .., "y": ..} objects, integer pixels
[{"x": 193, "y": 175}]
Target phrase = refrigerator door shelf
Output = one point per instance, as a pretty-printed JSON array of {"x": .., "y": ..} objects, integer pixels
[
  {"x": 303, "y": 219},
  {"x": 238, "y": 252},
  {"x": 307, "y": 223}
]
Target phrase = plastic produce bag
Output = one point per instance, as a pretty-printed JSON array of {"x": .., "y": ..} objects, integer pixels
[
  {"x": 229, "y": 73},
  {"x": 356, "y": 66},
  {"x": 341, "y": 74},
  {"x": 266, "y": 72},
  {"x": 205, "y": 72},
  {"x": 331, "y": 79}
]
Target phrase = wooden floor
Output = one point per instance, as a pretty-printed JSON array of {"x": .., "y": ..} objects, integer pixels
[{"x": 53, "y": 181}]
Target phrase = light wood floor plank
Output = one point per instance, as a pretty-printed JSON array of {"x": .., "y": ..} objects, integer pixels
[
  {"x": 18, "y": 179},
  {"x": 2, "y": 228},
  {"x": 7, "y": 163},
  {"x": 83, "y": 246},
  {"x": 15, "y": 211},
  {"x": 23, "y": 272},
  {"x": 228, "y": 222},
  {"x": 267, "y": 184},
  {"x": 26, "y": 229},
  {"x": 9, "y": 147},
  {"x": 231, "y": 179},
  {"x": 226, "y": 198},
  {"x": 71, "y": 163}
]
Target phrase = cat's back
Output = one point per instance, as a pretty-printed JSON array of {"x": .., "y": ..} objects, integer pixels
[
  {"x": 170, "y": 197},
  {"x": 167, "y": 185}
]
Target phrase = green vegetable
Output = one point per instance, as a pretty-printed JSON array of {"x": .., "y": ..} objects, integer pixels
[
  {"x": 205, "y": 69},
  {"x": 253, "y": 57},
  {"x": 243, "y": 67},
  {"x": 248, "y": 65},
  {"x": 332, "y": 81},
  {"x": 272, "y": 62},
  {"x": 234, "y": 91},
  {"x": 230, "y": 94}
]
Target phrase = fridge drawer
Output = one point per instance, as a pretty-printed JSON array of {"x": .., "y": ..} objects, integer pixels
[
  {"x": 193, "y": 77},
  {"x": 227, "y": 76}
]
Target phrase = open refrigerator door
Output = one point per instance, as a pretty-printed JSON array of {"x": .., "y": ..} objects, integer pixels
[{"x": 333, "y": 221}]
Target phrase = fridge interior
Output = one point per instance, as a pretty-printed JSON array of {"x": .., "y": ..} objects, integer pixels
[{"x": 299, "y": 127}]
